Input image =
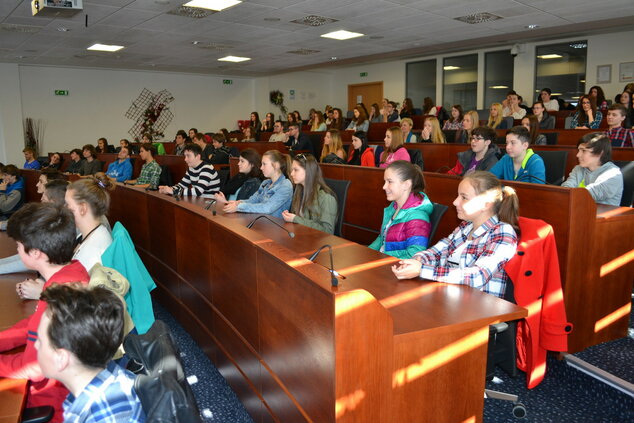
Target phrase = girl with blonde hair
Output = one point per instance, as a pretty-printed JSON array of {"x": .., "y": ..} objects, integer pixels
[{"x": 332, "y": 151}]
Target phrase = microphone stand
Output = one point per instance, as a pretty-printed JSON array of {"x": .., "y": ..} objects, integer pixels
[
  {"x": 333, "y": 274},
  {"x": 263, "y": 216}
]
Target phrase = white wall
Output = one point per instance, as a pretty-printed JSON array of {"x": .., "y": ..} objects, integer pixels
[
  {"x": 11, "y": 134},
  {"x": 608, "y": 49},
  {"x": 99, "y": 99}
]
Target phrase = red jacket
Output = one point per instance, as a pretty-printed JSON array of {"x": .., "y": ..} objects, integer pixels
[{"x": 534, "y": 271}]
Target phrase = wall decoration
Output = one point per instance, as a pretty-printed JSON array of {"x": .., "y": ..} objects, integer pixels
[
  {"x": 604, "y": 74},
  {"x": 151, "y": 114}
]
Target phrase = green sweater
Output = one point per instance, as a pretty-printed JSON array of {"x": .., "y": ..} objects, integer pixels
[{"x": 327, "y": 205}]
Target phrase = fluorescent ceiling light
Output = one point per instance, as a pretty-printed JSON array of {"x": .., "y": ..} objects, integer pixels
[
  {"x": 451, "y": 67},
  {"x": 235, "y": 59},
  {"x": 216, "y": 5},
  {"x": 104, "y": 47},
  {"x": 342, "y": 35},
  {"x": 557, "y": 94},
  {"x": 499, "y": 87},
  {"x": 550, "y": 56}
]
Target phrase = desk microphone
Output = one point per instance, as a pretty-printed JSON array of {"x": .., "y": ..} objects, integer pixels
[
  {"x": 333, "y": 273},
  {"x": 177, "y": 193},
  {"x": 262, "y": 216},
  {"x": 209, "y": 204},
  {"x": 528, "y": 175}
]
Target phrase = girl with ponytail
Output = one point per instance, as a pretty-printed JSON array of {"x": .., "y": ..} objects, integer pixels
[{"x": 477, "y": 250}]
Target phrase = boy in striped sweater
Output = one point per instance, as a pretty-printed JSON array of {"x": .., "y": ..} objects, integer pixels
[{"x": 201, "y": 180}]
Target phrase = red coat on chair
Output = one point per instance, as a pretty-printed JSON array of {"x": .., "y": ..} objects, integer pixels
[{"x": 534, "y": 271}]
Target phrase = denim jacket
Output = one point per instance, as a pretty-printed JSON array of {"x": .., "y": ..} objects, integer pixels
[{"x": 271, "y": 198}]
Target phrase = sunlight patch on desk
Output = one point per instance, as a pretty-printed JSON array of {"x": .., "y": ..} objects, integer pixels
[
  {"x": 351, "y": 300},
  {"x": 262, "y": 241},
  {"x": 410, "y": 295},
  {"x": 611, "y": 266},
  {"x": 348, "y": 402},
  {"x": 440, "y": 357},
  {"x": 298, "y": 262},
  {"x": 612, "y": 317},
  {"x": 369, "y": 265},
  {"x": 471, "y": 419},
  {"x": 8, "y": 384},
  {"x": 334, "y": 247}
]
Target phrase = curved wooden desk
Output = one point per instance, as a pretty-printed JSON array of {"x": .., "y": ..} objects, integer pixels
[{"x": 293, "y": 347}]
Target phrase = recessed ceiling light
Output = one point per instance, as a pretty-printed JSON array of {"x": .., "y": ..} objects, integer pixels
[
  {"x": 342, "y": 35},
  {"x": 235, "y": 59},
  {"x": 63, "y": 29},
  {"x": 333, "y": 58},
  {"x": 195, "y": 43},
  {"x": 575, "y": 97},
  {"x": 550, "y": 56},
  {"x": 559, "y": 94},
  {"x": 451, "y": 67},
  {"x": 531, "y": 26},
  {"x": 104, "y": 47},
  {"x": 583, "y": 81},
  {"x": 499, "y": 87},
  {"x": 216, "y": 5}
]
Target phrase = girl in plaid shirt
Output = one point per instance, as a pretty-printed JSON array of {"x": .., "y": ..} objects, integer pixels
[{"x": 477, "y": 250}]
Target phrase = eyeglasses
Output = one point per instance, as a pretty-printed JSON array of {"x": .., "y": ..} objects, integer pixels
[{"x": 475, "y": 138}]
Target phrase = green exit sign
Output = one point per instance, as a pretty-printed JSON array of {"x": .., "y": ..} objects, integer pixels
[
  {"x": 227, "y": 81},
  {"x": 362, "y": 74},
  {"x": 61, "y": 92}
]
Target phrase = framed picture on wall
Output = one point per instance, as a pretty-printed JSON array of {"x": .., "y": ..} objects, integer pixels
[
  {"x": 626, "y": 72},
  {"x": 604, "y": 74}
]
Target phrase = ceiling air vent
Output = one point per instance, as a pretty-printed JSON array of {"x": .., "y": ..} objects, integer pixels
[
  {"x": 214, "y": 46},
  {"x": 191, "y": 12},
  {"x": 314, "y": 20},
  {"x": 477, "y": 18},
  {"x": 303, "y": 51},
  {"x": 30, "y": 29}
]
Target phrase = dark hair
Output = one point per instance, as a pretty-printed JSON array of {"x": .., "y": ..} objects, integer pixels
[
  {"x": 52, "y": 174},
  {"x": 521, "y": 133},
  {"x": 218, "y": 138},
  {"x": 105, "y": 146},
  {"x": 407, "y": 171},
  {"x": 182, "y": 133},
  {"x": 363, "y": 116},
  {"x": 582, "y": 117},
  {"x": 354, "y": 154},
  {"x": 253, "y": 157},
  {"x": 149, "y": 148},
  {"x": 257, "y": 117},
  {"x": 47, "y": 227},
  {"x": 87, "y": 322},
  {"x": 200, "y": 137},
  {"x": 148, "y": 136},
  {"x": 61, "y": 159},
  {"x": 485, "y": 132},
  {"x": 541, "y": 103},
  {"x": 533, "y": 123},
  {"x": 600, "y": 94},
  {"x": 548, "y": 90},
  {"x": 125, "y": 142},
  {"x": 599, "y": 144},
  {"x": 619, "y": 107},
  {"x": 408, "y": 105},
  {"x": 11, "y": 170},
  {"x": 294, "y": 125},
  {"x": 94, "y": 192},
  {"x": 91, "y": 149},
  {"x": 428, "y": 104},
  {"x": 225, "y": 133},
  {"x": 193, "y": 129},
  {"x": 305, "y": 198},
  {"x": 56, "y": 190},
  {"x": 460, "y": 113},
  {"x": 298, "y": 117},
  {"x": 76, "y": 151},
  {"x": 29, "y": 150},
  {"x": 193, "y": 148},
  {"x": 512, "y": 92},
  {"x": 506, "y": 204},
  {"x": 283, "y": 159}
]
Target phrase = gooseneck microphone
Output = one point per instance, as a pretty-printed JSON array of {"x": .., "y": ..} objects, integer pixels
[
  {"x": 263, "y": 216},
  {"x": 529, "y": 176},
  {"x": 333, "y": 273}
]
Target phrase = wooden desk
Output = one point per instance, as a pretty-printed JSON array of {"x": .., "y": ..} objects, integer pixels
[
  {"x": 13, "y": 392},
  {"x": 592, "y": 243},
  {"x": 293, "y": 347}
]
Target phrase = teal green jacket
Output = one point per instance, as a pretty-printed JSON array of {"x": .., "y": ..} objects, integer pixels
[{"x": 122, "y": 256}]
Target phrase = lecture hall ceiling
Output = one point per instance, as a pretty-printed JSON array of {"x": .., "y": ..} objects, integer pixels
[{"x": 159, "y": 35}]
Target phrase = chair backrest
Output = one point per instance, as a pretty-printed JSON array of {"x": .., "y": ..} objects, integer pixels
[
  {"x": 568, "y": 123},
  {"x": 627, "y": 169},
  {"x": 416, "y": 157},
  {"x": 166, "y": 176},
  {"x": 551, "y": 137},
  {"x": 450, "y": 135},
  {"x": 509, "y": 121},
  {"x": 340, "y": 188},
  {"x": 555, "y": 163},
  {"x": 435, "y": 217}
]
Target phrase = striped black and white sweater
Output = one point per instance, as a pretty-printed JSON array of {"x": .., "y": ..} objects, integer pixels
[{"x": 199, "y": 181}]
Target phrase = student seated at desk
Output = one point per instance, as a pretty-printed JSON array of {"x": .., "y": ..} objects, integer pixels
[
  {"x": 90, "y": 165},
  {"x": 78, "y": 335},
  {"x": 314, "y": 204},
  {"x": 332, "y": 151},
  {"x": 45, "y": 235},
  {"x": 406, "y": 226},
  {"x": 150, "y": 171},
  {"x": 121, "y": 169},
  {"x": 362, "y": 154},
  {"x": 75, "y": 161},
  {"x": 247, "y": 181},
  {"x": 394, "y": 149},
  {"x": 274, "y": 194},
  {"x": 595, "y": 171},
  {"x": 477, "y": 250},
  {"x": 482, "y": 155},
  {"x": 11, "y": 190},
  {"x": 201, "y": 180},
  {"x": 520, "y": 162},
  {"x": 30, "y": 160}
]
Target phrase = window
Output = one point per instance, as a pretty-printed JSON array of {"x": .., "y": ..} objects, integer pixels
[
  {"x": 498, "y": 76},
  {"x": 562, "y": 68},
  {"x": 421, "y": 82},
  {"x": 460, "y": 81}
]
